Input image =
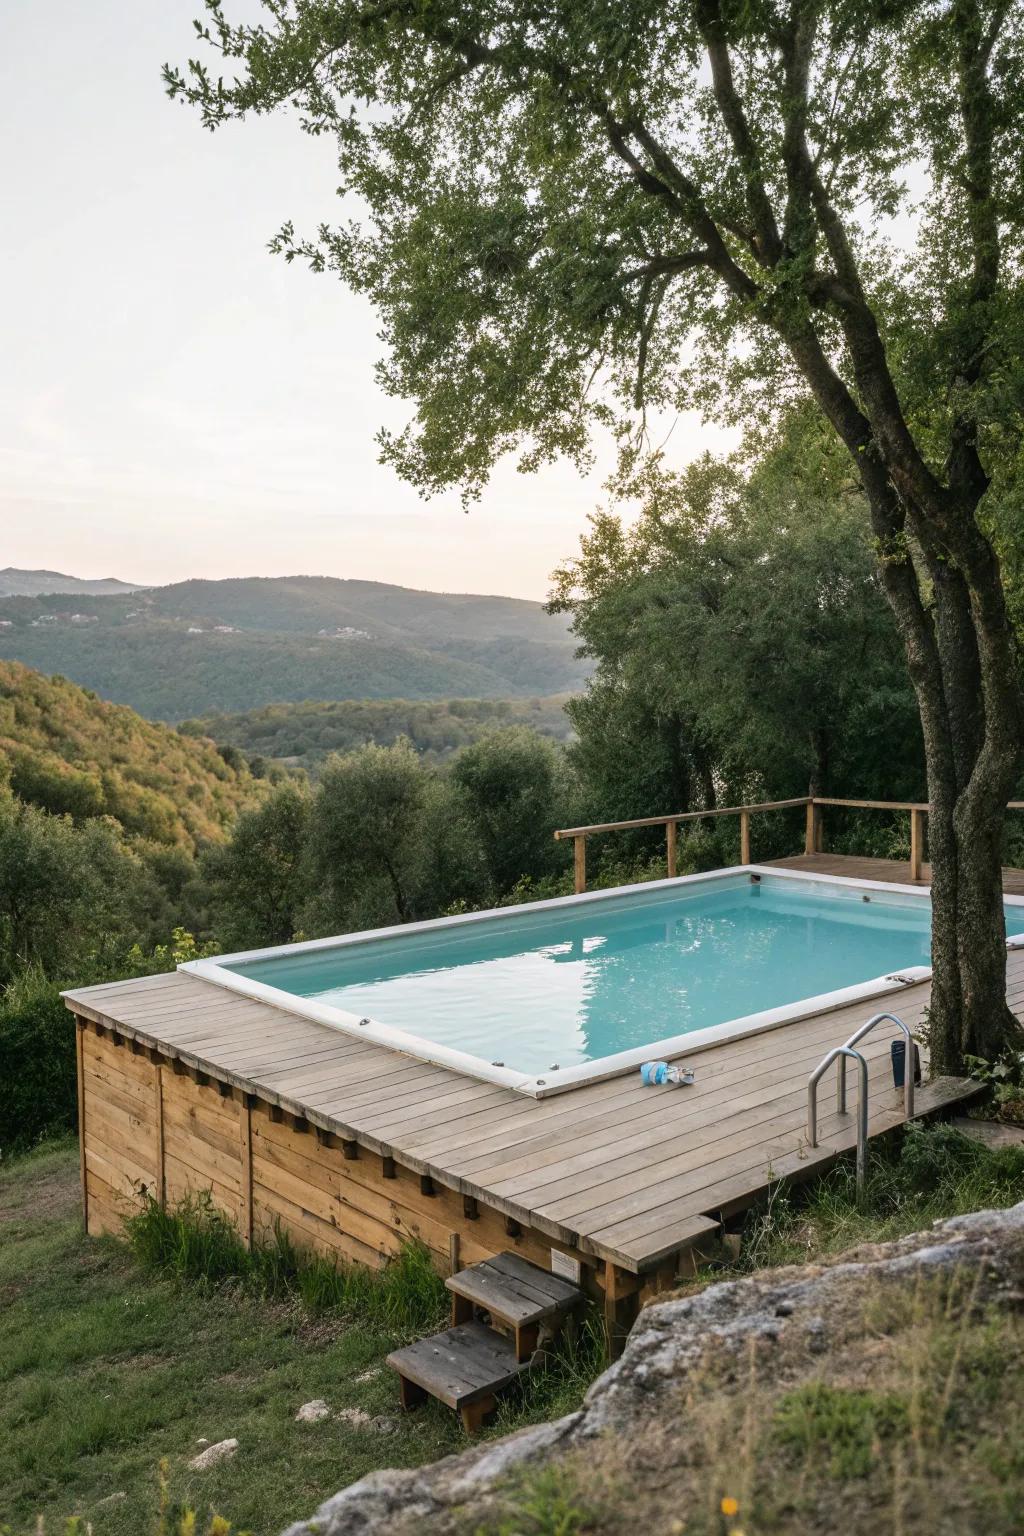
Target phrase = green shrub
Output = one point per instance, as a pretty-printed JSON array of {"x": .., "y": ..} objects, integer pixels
[
  {"x": 939, "y": 1157},
  {"x": 927, "y": 1173},
  {"x": 38, "y": 1084},
  {"x": 194, "y": 1241},
  {"x": 38, "y": 1096}
]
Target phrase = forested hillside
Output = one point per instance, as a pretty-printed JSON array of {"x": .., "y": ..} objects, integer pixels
[
  {"x": 304, "y": 734},
  {"x": 203, "y": 646},
  {"x": 64, "y": 750}
]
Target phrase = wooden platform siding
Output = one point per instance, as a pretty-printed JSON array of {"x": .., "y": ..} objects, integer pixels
[
  {"x": 119, "y": 1128},
  {"x": 201, "y": 1140},
  {"x": 351, "y": 1203},
  {"x": 152, "y": 1126}
]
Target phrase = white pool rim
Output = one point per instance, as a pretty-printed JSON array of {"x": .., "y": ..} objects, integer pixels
[{"x": 542, "y": 1086}]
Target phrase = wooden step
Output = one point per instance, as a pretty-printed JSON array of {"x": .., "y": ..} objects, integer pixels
[
  {"x": 515, "y": 1293},
  {"x": 514, "y": 1290},
  {"x": 464, "y": 1367}
]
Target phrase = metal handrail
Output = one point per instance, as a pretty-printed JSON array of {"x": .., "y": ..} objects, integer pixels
[
  {"x": 840, "y": 1053},
  {"x": 909, "y": 1068}
]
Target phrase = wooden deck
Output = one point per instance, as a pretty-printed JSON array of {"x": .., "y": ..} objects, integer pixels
[
  {"x": 893, "y": 870},
  {"x": 624, "y": 1174}
]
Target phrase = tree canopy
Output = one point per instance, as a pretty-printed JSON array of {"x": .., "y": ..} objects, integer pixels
[
  {"x": 652, "y": 197},
  {"x": 764, "y": 586}
]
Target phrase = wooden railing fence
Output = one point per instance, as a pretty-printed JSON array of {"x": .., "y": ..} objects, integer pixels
[{"x": 813, "y": 836}]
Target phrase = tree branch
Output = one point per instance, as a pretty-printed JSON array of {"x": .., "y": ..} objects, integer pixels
[
  {"x": 810, "y": 206},
  {"x": 768, "y": 244},
  {"x": 691, "y": 206},
  {"x": 977, "y": 113},
  {"x": 659, "y": 266}
]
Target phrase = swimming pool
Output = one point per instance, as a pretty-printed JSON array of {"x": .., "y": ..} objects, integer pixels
[{"x": 546, "y": 996}]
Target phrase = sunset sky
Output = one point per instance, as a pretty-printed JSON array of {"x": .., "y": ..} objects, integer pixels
[{"x": 173, "y": 400}]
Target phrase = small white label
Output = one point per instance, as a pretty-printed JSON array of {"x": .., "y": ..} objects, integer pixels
[{"x": 562, "y": 1264}]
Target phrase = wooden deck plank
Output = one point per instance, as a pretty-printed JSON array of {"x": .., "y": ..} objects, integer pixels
[
  {"x": 689, "y": 1181},
  {"x": 891, "y": 871},
  {"x": 577, "y": 1174},
  {"x": 674, "y": 1233},
  {"x": 757, "y": 1176},
  {"x": 663, "y": 1113},
  {"x": 756, "y": 1172},
  {"x": 675, "y": 1179},
  {"x": 458, "y": 1091},
  {"x": 345, "y": 1083},
  {"x": 310, "y": 1060},
  {"x": 659, "y": 1111},
  {"x": 623, "y": 1172}
]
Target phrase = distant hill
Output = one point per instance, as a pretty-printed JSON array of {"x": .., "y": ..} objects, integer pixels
[
  {"x": 16, "y": 583},
  {"x": 228, "y": 646},
  {"x": 64, "y": 749},
  {"x": 302, "y": 735}
]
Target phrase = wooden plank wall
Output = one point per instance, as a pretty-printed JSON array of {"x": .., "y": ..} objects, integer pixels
[{"x": 149, "y": 1124}]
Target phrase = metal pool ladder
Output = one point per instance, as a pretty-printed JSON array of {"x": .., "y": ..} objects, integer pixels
[{"x": 840, "y": 1054}]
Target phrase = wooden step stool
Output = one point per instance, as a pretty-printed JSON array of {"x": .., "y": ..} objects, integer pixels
[
  {"x": 468, "y": 1364},
  {"x": 516, "y": 1294}
]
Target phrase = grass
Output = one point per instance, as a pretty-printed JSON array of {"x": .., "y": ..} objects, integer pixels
[
  {"x": 926, "y": 1174},
  {"x": 841, "y": 1426},
  {"x": 106, "y": 1366},
  {"x": 194, "y": 1241},
  {"x": 113, "y": 1359}
]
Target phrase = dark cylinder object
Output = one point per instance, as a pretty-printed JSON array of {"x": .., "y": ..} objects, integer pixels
[{"x": 898, "y": 1050}]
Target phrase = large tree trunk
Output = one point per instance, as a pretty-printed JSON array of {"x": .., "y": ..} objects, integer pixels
[
  {"x": 964, "y": 667},
  {"x": 675, "y": 735},
  {"x": 705, "y": 776},
  {"x": 968, "y": 1014}
]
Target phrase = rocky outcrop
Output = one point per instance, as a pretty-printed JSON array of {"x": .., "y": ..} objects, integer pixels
[{"x": 789, "y": 1317}]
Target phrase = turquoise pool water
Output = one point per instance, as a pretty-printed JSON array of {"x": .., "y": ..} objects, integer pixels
[{"x": 535, "y": 988}]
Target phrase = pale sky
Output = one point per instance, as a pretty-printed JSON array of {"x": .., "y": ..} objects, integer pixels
[{"x": 176, "y": 402}]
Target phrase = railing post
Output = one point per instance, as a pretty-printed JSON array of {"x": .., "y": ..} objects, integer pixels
[
  {"x": 744, "y": 837},
  {"x": 862, "y": 1124},
  {"x": 840, "y": 1054},
  {"x": 670, "y": 848},
  {"x": 811, "y": 834},
  {"x": 579, "y": 845},
  {"x": 916, "y": 844}
]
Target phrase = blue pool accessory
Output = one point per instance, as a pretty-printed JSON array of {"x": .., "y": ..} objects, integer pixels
[{"x": 654, "y": 1073}]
